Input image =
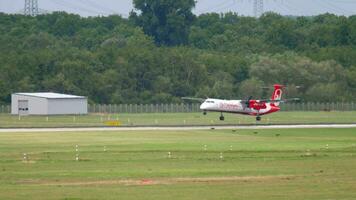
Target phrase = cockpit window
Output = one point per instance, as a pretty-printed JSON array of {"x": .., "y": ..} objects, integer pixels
[{"x": 209, "y": 102}]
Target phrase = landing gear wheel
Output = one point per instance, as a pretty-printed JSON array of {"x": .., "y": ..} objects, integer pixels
[
  {"x": 222, "y": 118},
  {"x": 204, "y": 113},
  {"x": 258, "y": 118}
]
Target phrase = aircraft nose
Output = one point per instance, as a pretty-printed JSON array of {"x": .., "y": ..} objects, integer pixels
[{"x": 203, "y": 106}]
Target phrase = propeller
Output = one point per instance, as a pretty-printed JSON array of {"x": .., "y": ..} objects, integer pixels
[{"x": 247, "y": 102}]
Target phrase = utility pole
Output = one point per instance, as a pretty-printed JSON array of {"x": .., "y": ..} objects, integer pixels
[
  {"x": 31, "y": 7},
  {"x": 258, "y": 8}
]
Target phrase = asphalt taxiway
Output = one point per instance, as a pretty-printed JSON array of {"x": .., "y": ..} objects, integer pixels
[{"x": 172, "y": 128}]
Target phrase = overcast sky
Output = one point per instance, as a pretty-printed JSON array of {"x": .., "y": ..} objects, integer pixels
[{"x": 243, "y": 7}]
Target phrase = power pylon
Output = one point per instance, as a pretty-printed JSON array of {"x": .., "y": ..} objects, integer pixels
[
  {"x": 31, "y": 7},
  {"x": 258, "y": 8}
]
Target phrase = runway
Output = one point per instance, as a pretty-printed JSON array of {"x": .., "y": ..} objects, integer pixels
[{"x": 171, "y": 128}]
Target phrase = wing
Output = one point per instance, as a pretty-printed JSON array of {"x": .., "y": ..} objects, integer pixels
[{"x": 193, "y": 99}]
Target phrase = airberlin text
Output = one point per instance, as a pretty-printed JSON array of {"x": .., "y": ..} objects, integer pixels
[{"x": 229, "y": 106}]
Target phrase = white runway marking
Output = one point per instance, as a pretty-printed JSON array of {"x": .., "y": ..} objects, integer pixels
[{"x": 177, "y": 128}]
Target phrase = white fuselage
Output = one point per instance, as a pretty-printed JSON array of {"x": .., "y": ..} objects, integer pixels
[{"x": 234, "y": 106}]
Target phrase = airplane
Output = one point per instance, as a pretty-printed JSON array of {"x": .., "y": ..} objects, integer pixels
[{"x": 245, "y": 107}]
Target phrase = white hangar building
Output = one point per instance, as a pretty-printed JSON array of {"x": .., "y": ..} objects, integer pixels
[{"x": 48, "y": 103}]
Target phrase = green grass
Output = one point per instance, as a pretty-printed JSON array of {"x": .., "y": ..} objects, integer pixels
[
  {"x": 276, "y": 164},
  {"x": 176, "y": 119}
]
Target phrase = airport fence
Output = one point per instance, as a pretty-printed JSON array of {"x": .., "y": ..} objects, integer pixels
[
  {"x": 194, "y": 107},
  {"x": 5, "y": 109}
]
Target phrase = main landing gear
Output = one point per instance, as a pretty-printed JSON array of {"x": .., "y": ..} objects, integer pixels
[
  {"x": 258, "y": 118},
  {"x": 222, "y": 118}
]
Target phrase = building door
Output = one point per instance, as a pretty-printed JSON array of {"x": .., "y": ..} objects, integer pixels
[{"x": 23, "y": 107}]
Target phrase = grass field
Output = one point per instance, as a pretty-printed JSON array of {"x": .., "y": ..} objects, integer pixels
[
  {"x": 234, "y": 164},
  {"x": 7, "y": 120}
]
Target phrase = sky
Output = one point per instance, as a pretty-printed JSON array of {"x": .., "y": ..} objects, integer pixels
[{"x": 243, "y": 7}]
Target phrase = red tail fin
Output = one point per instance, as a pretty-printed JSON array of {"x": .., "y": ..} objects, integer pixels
[{"x": 277, "y": 94}]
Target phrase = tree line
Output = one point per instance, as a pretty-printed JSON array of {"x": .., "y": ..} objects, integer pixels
[{"x": 163, "y": 52}]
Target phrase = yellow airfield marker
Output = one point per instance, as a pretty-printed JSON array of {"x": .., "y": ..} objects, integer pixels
[{"x": 112, "y": 123}]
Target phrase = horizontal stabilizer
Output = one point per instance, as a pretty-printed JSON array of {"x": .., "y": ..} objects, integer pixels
[{"x": 279, "y": 101}]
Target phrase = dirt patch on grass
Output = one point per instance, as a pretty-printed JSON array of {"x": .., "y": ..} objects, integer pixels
[
  {"x": 232, "y": 179},
  {"x": 160, "y": 181}
]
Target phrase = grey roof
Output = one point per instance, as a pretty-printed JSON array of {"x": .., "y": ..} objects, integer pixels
[{"x": 51, "y": 95}]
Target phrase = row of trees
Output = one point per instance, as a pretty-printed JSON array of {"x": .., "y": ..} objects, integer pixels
[
  {"x": 323, "y": 37},
  {"x": 159, "y": 56}
]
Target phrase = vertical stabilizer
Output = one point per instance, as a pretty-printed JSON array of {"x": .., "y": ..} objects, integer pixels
[{"x": 277, "y": 94}]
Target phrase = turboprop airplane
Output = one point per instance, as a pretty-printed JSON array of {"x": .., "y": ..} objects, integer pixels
[{"x": 245, "y": 107}]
